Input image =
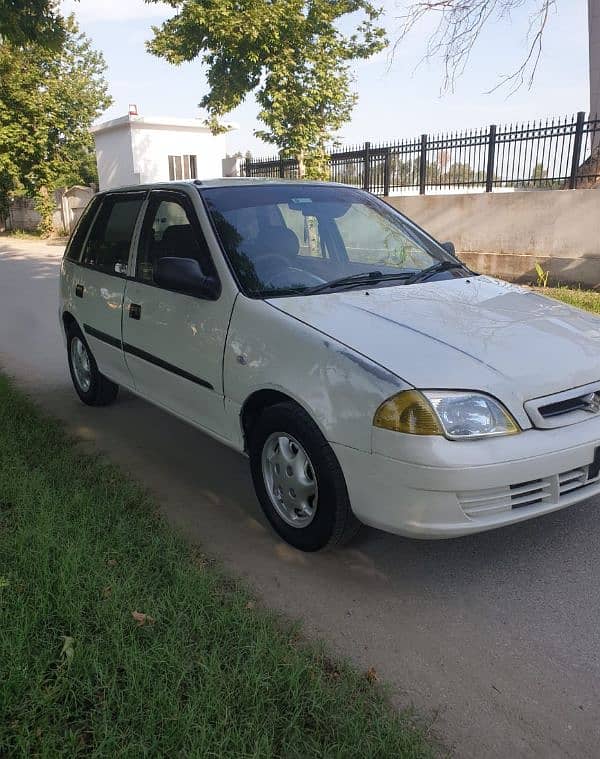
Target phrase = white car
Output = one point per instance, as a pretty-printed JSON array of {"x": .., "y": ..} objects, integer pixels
[{"x": 368, "y": 374}]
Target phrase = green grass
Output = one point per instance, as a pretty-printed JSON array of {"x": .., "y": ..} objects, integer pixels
[
  {"x": 21, "y": 234},
  {"x": 213, "y": 675},
  {"x": 586, "y": 299}
]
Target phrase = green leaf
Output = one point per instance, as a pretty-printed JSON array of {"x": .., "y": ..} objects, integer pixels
[
  {"x": 48, "y": 101},
  {"x": 290, "y": 54}
]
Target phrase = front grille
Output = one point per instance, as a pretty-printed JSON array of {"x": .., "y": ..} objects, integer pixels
[
  {"x": 579, "y": 403},
  {"x": 569, "y": 407},
  {"x": 542, "y": 492},
  {"x": 530, "y": 493}
]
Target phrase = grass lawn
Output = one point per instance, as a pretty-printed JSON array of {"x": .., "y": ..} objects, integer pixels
[
  {"x": 586, "y": 299},
  {"x": 118, "y": 639}
]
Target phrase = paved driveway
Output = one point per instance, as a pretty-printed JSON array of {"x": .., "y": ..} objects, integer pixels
[{"x": 494, "y": 638}]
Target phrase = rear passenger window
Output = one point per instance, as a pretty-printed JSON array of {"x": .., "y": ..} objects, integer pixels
[
  {"x": 110, "y": 238},
  {"x": 73, "y": 251},
  {"x": 169, "y": 231}
]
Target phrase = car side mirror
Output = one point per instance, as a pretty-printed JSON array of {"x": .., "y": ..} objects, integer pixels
[
  {"x": 185, "y": 275},
  {"x": 449, "y": 248}
]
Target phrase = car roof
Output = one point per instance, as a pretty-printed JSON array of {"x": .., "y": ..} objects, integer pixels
[{"x": 220, "y": 182}]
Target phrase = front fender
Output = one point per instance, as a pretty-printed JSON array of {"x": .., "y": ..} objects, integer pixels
[{"x": 339, "y": 388}]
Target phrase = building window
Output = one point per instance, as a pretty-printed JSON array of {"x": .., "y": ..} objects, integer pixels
[{"x": 182, "y": 167}]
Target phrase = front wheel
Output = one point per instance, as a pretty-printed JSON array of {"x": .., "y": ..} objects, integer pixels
[
  {"x": 93, "y": 388},
  {"x": 298, "y": 480}
]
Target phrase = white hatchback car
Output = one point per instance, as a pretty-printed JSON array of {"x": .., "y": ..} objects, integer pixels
[{"x": 369, "y": 375}]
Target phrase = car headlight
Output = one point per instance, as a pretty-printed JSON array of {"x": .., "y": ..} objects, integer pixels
[{"x": 458, "y": 415}]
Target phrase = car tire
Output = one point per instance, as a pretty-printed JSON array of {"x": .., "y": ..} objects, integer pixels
[
  {"x": 91, "y": 386},
  {"x": 299, "y": 481}
]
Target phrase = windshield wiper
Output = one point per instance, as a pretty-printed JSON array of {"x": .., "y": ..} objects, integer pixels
[
  {"x": 374, "y": 277},
  {"x": 421, "y": 276},
  {"x": 364, "y": 278}
]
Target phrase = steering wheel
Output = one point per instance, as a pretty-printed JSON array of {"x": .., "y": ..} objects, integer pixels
[
  {"x": 270, "y": 264},
  {"x": 282, "y": 278}
]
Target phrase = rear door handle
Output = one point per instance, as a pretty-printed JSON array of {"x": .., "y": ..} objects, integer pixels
[
  {"x": 79, "y": 291},
  {"x": 135, "y": 311}
]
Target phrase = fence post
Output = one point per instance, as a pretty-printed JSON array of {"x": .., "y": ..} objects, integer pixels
[
  {"x": 248, "y": 164},
  {"x": 423, "y": 165},
  {"x": 367, "y": 166},
  {"x": 491, "y": 162},
  {"x": 577, "y": 149},
  {"x": 281, "y": 168},
  {"x": 386, "y": 172}
]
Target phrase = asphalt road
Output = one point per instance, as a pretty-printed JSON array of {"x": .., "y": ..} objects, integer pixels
[{"x": 494, "y": 639}]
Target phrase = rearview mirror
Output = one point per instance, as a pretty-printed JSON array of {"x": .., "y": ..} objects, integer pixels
[
  {"x": 449, "y": 248},
  {"x": 185, "y": 275}
]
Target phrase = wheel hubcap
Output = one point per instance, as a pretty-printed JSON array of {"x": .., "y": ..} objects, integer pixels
[
  {"x": 80, "y": 361},
  {"x": 289, "y": 477}
]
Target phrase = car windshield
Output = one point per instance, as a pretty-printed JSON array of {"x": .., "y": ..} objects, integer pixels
[{"x": 284, "y": 239}]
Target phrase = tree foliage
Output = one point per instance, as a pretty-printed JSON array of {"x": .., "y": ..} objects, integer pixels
[
  {"x": 48, "y": 101},
  {"x": 460, "y": 23},
  {"x": 32, "y": 21},
  {"x": 290, "y": 53}
]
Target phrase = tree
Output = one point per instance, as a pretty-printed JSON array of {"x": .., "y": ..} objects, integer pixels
[
  {"x": 48, "y": 101},
  {"x": 462, "y": 173},
  {"x": 290, "y": 53},
  {"x": 460, "y": 24},
  {"x": 539, "y": 179},
  {"x": 32, "y": 21}
]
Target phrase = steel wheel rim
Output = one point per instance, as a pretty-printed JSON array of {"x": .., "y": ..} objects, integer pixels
[
  {"x": 80, "y": 361},
  {"x": 290, "y": 479}
]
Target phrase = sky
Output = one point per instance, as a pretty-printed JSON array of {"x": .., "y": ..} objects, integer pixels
[{"x": 397, "y": 99}]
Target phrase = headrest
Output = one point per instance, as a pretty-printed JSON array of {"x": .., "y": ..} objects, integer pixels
[
  {"x": 279, "y": 241},
  {"x": 179, "y": 237}
]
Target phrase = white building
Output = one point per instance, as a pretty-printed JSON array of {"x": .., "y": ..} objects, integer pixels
[{"x": 138, "y": 149}]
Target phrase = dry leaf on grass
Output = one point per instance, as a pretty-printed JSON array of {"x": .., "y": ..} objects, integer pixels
[
  {"x": 250, "y": 605},
  {"x": 106, "y": 592},
  {"x": 372, "y": 675},
  {"x": 67, "y": 649},
  {"x": 112, "y": 562},
  {"x": 142, "y": 619}
]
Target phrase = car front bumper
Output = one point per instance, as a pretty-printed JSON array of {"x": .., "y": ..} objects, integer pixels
[{"x": 430, "y": 487}]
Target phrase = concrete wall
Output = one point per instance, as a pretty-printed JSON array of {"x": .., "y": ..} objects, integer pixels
[
  {"x": 69, "y": 205},
  {"x": 232, "y": 166},
  {"x": 504, "y": 234}
]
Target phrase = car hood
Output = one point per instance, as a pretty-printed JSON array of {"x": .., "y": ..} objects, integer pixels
[{"x": 477, "y": 334}]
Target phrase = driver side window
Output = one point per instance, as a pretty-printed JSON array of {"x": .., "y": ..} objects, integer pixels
[{"x": 169, "y": 231}]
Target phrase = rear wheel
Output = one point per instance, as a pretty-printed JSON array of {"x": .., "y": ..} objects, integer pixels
[
  {"x": 298, "y": 480},
  {"x": 93, "y": 388}
]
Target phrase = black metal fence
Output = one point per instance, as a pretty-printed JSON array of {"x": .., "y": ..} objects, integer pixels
[{"x": 561, "y": 153}]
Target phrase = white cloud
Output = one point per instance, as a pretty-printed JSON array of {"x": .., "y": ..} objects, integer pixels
[{"x": 88, "y": 11}]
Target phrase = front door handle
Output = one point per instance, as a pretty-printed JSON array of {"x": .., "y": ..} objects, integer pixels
[
  {"x": 79, "y": 291},
  {"x": 135, "y": 311}
]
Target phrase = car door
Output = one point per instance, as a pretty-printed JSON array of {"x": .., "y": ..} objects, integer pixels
[
  {"x": 174, "y": 341},
  {"x": 100, "y": 278}
]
